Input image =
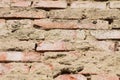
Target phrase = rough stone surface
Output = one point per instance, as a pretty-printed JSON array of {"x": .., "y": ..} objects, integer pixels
[{"x": 59, "y": 40}]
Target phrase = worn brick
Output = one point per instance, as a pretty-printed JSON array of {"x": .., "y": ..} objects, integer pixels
[
  {"x": 71, "y": 77},
  {"x": 54, "y": 46},
  {"x": 66, "y": 35},
  {"x": 50, "y": 24},
  {"x": 88, "y": 5},
  {"x": 71, "y": 24},
  {"x": 19, "y": 56},
  {"x": 107, "y": 46},
  {"x": 106, "y": 34},
  {"x": 105, "y": 77},
  {"x": 93, "y": 24},
  {"x": 102, "y": 14},
  {"x": 115, "y": 4},
  {"x": 21, "y": 3},
  {"x": 50, "y": 4},
  {"x": 67, "y": 14},
  {"x": 22, "y": 13}
]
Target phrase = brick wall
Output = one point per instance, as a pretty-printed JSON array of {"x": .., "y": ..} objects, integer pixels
[{"x": 59, "y": 40}]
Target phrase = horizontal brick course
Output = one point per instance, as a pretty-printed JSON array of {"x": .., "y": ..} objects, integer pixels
[
  {"x": 54, "y": 46},
  {"x": 20, "y": 3},
  {"x": 88, "y": 5},
  {"x": 19, "y": 56},
  {"x": 66, "y": 46},
  {"x": 66, "y": 35},
  {"x": 84, "y": 24},
  {"x": 49, "y": 24},
  {"x": 66, "y": 14},
  {"x": 102, "y": 14},
  {"x": 50, "y": 4},
  {"x": 21, "y": 13},
  {"x": 106, "y": 34},
  {"x": 107, "y": 46}
]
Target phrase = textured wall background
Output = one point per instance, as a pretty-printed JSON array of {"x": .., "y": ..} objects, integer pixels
[{"x": 59, "y": 40}]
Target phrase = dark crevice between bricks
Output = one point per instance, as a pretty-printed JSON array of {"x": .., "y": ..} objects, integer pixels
[
  {"x": 31, "y": 3},
  {"x": 101, "y": 0},
  {"x": 88, "y": 76},
  {"x": 14, "y": 49},
  {"x": 108, "y": 4},
  {"x": 47, "y": 29},
  {"x": 116, "y": 29},
  {"x": 53, "y": 51},
  {"x": 18, "y": 18},
  {"x": 48, "y": 9},
  {"x": 37, "y": 27},
  {"x": 116, "y": 46},
  {"x": 118, "y": 76},
  {"x": 20, "y": 61},
  {"x": 110, "y": 21},
  {"x": 35, "y": 46}
]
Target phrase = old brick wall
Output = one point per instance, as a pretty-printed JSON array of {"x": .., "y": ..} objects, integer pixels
[{"x": 59, "y": 40}]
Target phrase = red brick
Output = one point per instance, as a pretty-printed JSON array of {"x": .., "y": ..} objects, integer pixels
[
  {"x": 53, "y": 46},
  {"x": 48, "y": 24},
  {"x": 85, "y": 24},
  {"x": 71, "y": 77},
  {"x": 50, "y": 4},
  {"x": 88, "y": 4},
  {"x": 105, "y": 77},
  {"x": 115, "y": 4},
  {"x": 21, "y": 4},
  {"x": 19, "y": 56},
  {"x": 106, "y": 34}
]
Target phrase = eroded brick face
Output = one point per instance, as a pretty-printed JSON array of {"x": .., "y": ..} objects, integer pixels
[{"x": 59, "y": 40}]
